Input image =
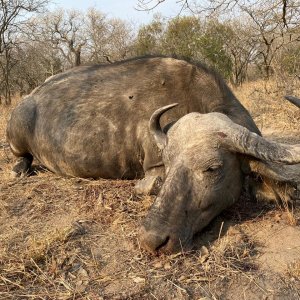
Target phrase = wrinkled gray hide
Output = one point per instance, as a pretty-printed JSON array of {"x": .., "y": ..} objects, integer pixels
[{"x": 203, "y": 161}]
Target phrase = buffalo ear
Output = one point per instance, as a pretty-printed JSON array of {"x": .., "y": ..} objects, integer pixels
[{"x": 275, "y": 182}]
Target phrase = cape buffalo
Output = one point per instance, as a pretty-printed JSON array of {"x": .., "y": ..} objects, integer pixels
[{"x": 92, "y": 121}]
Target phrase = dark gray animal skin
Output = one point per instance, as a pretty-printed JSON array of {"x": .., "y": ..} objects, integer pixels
[{"x": 92, "y": 121}]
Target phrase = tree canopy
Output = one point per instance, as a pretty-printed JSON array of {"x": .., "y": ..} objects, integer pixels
[{"x": 240, "y": 39}]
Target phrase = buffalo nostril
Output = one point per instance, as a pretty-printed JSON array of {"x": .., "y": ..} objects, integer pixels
[
  {"x": 163, "y": 244},
  {"x": 152, "y": 240}
]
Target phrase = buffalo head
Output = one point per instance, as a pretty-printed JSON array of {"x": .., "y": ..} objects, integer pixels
[{"x": 203, "y": 156}]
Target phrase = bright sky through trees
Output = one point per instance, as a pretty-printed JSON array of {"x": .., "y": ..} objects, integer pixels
[{"x": 124, "y": 9}]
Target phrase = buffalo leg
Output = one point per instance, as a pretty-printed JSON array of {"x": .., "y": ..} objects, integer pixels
[
  {"x": 22, "y": 166},
  {"x": 151, "y": 183}
]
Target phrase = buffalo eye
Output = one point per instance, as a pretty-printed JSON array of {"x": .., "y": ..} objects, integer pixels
[{"x": 213, "y": 168}]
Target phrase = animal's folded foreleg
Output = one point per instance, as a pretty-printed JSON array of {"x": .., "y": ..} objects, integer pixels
[{"x": 22, "y": 166}]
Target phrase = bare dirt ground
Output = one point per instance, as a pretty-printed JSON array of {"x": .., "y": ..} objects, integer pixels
[{"x": 77, "y": 239}]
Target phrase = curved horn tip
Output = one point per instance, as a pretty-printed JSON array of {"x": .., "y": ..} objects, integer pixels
[
  {"x": 154, "y": 125},
  {"x": 160, "y": 111},
  {"x": 165, "y": 108},
  {"x": 171, "y": 105},
  {"x": 294, "y": 100}
]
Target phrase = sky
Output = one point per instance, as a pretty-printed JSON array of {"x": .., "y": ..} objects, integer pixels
[{"x": 124, "y": 9}]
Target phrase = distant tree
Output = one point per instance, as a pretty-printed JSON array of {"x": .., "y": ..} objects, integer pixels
[
  {"x": 182, "y": 37},
  {"x": 65, "y": 31},
  {"x": 287, "y": 66},
  {"x": 121, "y": 39},
  {"x": 98, "y": 37},
  {"x": 213, "y": 47},
  {"x": 13, "y": 15},
  {"x": 35, "y": 62},
  {"x": 52, "y": 42},
  {"x": 151, "y": 4},
  {"x": 149, "y": 38},
  {"x": 187, "y": 37},
  {"x": 290, "y": 60},
  {"x": 273, "y": 24},
  {"x": 240, "y": 47},
  {"x": 108, "y": 39},
  {"x": 270, "y": 27}
]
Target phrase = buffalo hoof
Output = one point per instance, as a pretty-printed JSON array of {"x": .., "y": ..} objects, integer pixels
[
  {"x": 14, "y": 174},
  {"x": 149, "y": 185},
  {"x": 22, "y": 167}
]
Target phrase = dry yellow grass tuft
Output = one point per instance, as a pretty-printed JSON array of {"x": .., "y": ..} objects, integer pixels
[
  {"x": 5, "y": 157},
  {"x": 294, "y": 270},
  {"x": 266, "y": 103}
]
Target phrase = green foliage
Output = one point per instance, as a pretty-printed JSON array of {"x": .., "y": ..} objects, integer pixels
[
  {"x": 182, "y": 37},
  {"x": 188, "y": 37},
  {"x": 149, "y": 37},
  {"x": 213, "y": 47},
  {"x": 291, "y": 60}
]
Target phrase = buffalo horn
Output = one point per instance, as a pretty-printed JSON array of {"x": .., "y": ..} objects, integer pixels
[
  {"x": 154, "y": 125},
  {"x": 294, "y": 100},
  {"x": 241, "y": 140}
]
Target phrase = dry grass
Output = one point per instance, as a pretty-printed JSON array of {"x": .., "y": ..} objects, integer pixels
[
  {"x": 294, "y": 270},
  {"x": 266, "y": 103},
  {"x": 67, "y": 238},
  {"x": 77, "y": 239},
  {"x": 275, "y": 116}
]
